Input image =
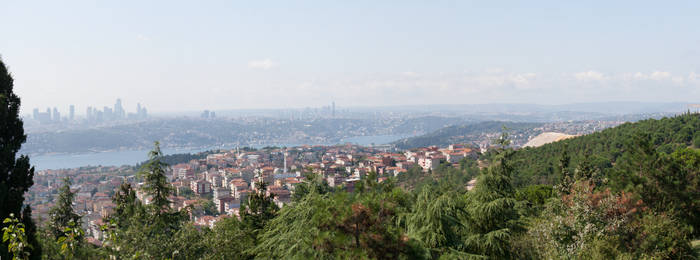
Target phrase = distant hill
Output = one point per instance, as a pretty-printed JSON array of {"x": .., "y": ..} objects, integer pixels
[
  {"x": 539, "y": 165},
  {"x": 469, "y": 134},
  {"x": 545, "y": 138}
]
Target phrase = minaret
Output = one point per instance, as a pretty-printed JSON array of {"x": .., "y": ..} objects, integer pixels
[{"x": 285, "y": 161}]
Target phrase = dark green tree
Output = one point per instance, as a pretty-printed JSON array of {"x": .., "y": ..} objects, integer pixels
[
  {"x": 156, "y": 184},
  {"x": 127, "y": 206},
  {"x": 312, "y": 183},
  {"x": 150, "y": 230},
  {"x": 62, "y": 213},
  {"x": 437, "y": 221},
  {"x": 683, "y": 186},
  {"x": 340, "y": 225},
  {"x": 492, "y": 217},
  {"x": 565, "y": 176},
  {"x": 258, "y": 209},
  {"x": 228, "y": 240},
  {"x": 16, "y": 174}
]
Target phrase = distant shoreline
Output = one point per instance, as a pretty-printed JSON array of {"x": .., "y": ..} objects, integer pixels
[{"x": 120, "y": 157}]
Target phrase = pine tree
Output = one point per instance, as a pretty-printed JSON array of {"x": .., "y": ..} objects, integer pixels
[
  {"x": 437, "y": 221},
  {"x": 258, "y": 209},
  {"x": 62, "y": 213},
  {"x": 493, "y": 219},
  {"x": 16, "y": 175},
  {"x": 157, "y": 187},
  {"x": 146, "y": 231},
  {"x": 565, "y": 176},
  {"x": 127, "y": 206}
]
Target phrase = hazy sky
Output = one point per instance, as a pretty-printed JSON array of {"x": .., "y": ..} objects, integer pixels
[{"x": 193, "y": 55}]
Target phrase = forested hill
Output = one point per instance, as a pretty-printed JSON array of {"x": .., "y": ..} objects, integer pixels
[
  {"x": 606, "y": 148},
  {"x": 469, "y": 133}
]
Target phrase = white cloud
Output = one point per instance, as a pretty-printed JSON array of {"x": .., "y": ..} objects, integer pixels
[
  {"x": 640, "y": 76},
  {"x": 654, "y": 75},
  {"x": 659, "y": 75},
  {"x": 678, "y": 80},
  {"x": 590, "y": 75},
  {"x": 523, "y": 80},
  {"x": 265, "y": 64},
  {"x": 479, "y": 86}
]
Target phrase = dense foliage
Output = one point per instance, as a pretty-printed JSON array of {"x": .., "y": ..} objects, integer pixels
[
  {"x": 16, "y": 175},
  {"x": 604, "y": 149},
  {"x": 654, "y": 160}
]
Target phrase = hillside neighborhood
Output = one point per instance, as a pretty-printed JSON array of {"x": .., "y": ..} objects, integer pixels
[{"x": 215, "y": 186}]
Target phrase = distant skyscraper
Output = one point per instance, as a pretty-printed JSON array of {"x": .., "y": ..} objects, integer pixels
[
  {"x": 118, "y": 109},
  {"x": 71, "y": 113},
  {"x": 56, "y": 116},
  {"x": 333, "y": 109},
  {"x": 141, "y": 112},
  {"x": 89, "y": 113},
  {"x": 43, "y": 118},
  {"x": 107, "y": 113}
]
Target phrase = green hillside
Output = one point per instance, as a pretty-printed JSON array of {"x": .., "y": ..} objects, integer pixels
[
  {"x": 604, "y": 149},
  {"x": 466, "y": 134}
]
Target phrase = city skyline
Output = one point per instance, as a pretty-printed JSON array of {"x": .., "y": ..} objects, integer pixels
[{"x": 116, "y": 112}]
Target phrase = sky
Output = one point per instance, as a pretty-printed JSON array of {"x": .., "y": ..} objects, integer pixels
[{"x": 192, "y": 55}]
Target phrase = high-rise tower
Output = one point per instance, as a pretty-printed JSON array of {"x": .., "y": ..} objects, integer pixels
[{"x": 119, "y": 109}]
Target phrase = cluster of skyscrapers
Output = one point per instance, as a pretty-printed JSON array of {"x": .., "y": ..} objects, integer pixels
[
  {"x": 53, "y": 116},
  {"x": 93, "y": 114},
  {"x": 208, "y": 114}
]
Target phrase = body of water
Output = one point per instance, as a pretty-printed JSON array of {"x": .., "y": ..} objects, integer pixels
[{"x": 132, "y": 157}]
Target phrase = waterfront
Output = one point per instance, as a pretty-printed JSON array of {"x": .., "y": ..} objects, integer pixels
[{"x": 132, "y": 157}]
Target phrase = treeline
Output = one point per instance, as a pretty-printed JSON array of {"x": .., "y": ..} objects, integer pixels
[
  {"x": 653, "y": 162},
  {"x": 172, "y": 159},
  {"x": 461, "y": 134},
  {"x": 605, "y": 148}
]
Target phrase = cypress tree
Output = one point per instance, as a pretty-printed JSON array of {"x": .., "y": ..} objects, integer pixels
[{"x": 16, "y": 174}]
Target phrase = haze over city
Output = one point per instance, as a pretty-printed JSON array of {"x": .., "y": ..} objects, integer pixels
[
  {"x": 179, "y": 56},
  {"x": 349, "y": 129}
]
